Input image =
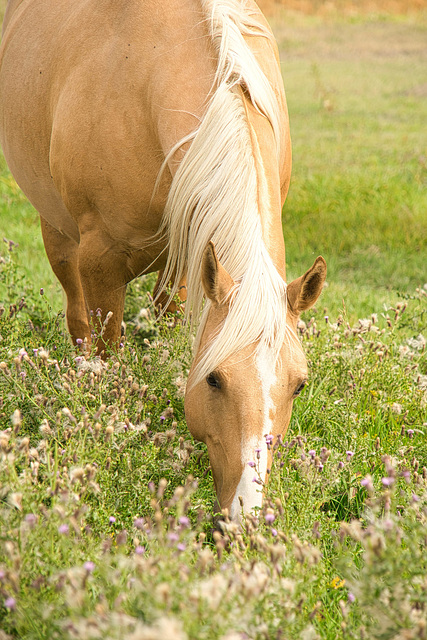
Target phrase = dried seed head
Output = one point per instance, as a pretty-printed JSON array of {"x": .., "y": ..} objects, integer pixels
[{"x": 109, "y": 431}]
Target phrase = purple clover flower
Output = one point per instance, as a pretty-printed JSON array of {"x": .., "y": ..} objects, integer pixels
[
  {"x": 173, "y": 537},
  {"x": 31, "y": 519},
  {"x": 10, "y": 603},
  {"x": 63, "y": 529},
  {"x": 89, "y": 566},
  {"x": 387, "y": 482},
  {"x": 407, "y": 475},
  {"x": 184, "y": 521}
]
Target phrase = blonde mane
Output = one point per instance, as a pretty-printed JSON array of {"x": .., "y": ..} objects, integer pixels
[{"x": 214, "y": 196}]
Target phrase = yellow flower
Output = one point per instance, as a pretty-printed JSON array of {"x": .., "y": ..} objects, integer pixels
[{"x": 337, "y": 583}]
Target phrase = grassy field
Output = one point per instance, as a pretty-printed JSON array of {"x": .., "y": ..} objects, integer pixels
[{"x": 106, "y": 502}]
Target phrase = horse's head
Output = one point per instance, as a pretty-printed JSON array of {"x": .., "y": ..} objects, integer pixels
[{"x": 250, "y": 395}]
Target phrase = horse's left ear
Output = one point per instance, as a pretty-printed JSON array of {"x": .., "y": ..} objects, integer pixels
[
  {"x": 216, "y": 281},
  {"x": 304, "y": 291}
]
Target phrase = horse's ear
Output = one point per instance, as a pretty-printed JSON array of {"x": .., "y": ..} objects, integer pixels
[
  {"x": 216, "y": 281},
  {"x": 304, "y": 291}
]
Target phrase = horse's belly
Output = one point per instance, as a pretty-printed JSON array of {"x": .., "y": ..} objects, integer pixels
[{"x": 74, "y": 131}]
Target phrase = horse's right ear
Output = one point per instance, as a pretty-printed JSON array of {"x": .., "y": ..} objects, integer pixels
[
  {"x": 216, "y": 281},
  {"x": 304, "y": 291}
]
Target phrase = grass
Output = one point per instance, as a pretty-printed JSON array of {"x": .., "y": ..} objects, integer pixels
[{"x": 106, "y": 503}]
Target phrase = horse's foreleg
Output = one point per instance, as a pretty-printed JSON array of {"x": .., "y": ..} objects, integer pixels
[
  {"x": 62, "y": 253},
  {"x": 104, "y": 273}
]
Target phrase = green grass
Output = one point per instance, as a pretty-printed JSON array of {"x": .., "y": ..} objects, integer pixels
[
  {"x": 358, "y": 193},
  {"x": 106, "y": 502}
]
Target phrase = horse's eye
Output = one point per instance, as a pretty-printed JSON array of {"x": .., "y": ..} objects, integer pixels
[
  {"x": 213, "y": 381},
  {"x": 300, "y": 388}
]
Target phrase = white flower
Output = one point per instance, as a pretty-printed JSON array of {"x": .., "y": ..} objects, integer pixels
[
  {"x": 212, "y": 590},
  {"x": 418, "y": 343}
]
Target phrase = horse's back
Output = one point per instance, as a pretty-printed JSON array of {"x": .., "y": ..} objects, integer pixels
[
  {"x": 87, "y": 89},
  {"x": 93, "y": 95}
]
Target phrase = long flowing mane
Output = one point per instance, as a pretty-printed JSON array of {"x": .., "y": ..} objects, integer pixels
[{"x": 215, "y": 196}]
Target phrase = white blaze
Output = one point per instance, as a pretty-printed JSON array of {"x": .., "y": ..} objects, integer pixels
[{"x": 250, "y": 491}]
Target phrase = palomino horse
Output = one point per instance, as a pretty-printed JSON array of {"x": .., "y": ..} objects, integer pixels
[{"x": 154, "y": 136}]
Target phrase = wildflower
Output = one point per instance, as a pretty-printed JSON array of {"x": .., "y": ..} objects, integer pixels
[
  {"x": 337, "y": 583},
  {"x": 184, "y": 521},
  {"x": 269, "y": 516},
  {"x": 181, "y": 546},
  {"x": 10, "y": 603},
  {"x": 349, "y": 454},
  {"x": 257, "y": 480},
  {"x": 312, "y": 453},
  {"x": 31, "y": 519},
  {"x": 138, "y": 523},
  {"x": 111, "y": 519},
  {"x": 79, "y": 341},
  {"x": 173, "y": 537},
  {"x": 63, "y": 529},
  {"x": 273, "y": 532},
  {"x": 406, "y": 475},
  {"x": 269, "y": 439},
  {"x": 340, "y": 464},
  {"x": 351, "y": 597},
  {"x": 251, "y": 464},
  {"x": 415, "y": 498},
  {"x": 387, "y": 482},
  {"x": 89, "y": 566},
  {"x": 410, "y": 433},
  {"x": 418, "y": 343},
  {"x": 139, "y": 550}
]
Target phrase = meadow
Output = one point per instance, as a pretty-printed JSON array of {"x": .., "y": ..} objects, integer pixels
[{"x": 107, "y": 503}]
